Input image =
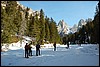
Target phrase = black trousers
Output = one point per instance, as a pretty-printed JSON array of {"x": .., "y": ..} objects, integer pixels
[
  {"x": 30, "y": 52},
  {"x": 37, "y": 52},
  {"x": 54, "y": 48},
  {"x": 26, "y": 53}
]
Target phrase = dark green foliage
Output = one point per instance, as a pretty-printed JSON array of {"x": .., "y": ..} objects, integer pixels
[
  {"x": 47, "y": 29},
  {"x": 42, "y": 25},
  {"x": 26, "y": 13},
  {"x": 43, "y": 29},
  {"x": 15, "y": 20},
  {"x": 10, "y": 21},
  {"x": 54, "y": 37}
]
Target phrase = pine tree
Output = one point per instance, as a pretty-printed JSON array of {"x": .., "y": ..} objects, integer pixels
[
  {"x": 38, "y": 28},
  {"x": 11, "y": 25},
  {"x": 42, "y": 23},
  {"x": 54, "y": 36},
  {"x": 47, "y": 30},
  {"x": 32, "y": 27},
  {"x": 96, "y": 25},
  {"x": 18, "y": 19},
  {"x": 52, "y": 30},
  {"x": 5, "y": 35},
  {"x": 11, "y": 12}
]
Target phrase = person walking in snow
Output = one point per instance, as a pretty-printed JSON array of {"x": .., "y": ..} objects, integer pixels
[
  {"x": 30, "y": 49},
  {"x": 26, "y": 50},
  {"x": 37, "y": 49},
  {"x": 68, "y": 42},
  {"x": 54, "y": 46}
]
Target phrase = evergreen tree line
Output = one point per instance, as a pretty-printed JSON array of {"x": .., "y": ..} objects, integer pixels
[
  {"x": 89, "y": 33},
  {"x": 42, "y": 28},
  {"x": 16, "y": 21},
  {"x": 10, "y": 22}
]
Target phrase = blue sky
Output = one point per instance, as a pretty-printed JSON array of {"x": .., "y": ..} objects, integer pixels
[{"x": 70, "y": 11}]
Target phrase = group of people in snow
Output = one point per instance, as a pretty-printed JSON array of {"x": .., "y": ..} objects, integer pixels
[{"x": 28, "y": 50}]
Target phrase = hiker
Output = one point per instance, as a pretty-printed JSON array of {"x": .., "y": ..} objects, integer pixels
[
  {"x": 26, "y": 50},
  {"x": 30, "y": 49},
  {"x": 37, "y": 49},
  {"x": 79, "y": 43},
  {"x": 67, "y": 44},
  {"x": 54, "y": 46}
]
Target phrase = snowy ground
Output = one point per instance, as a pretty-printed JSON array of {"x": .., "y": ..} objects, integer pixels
[{"x": 85, "y": 55}]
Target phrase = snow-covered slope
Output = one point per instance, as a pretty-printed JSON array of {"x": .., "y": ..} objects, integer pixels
[{"x": 85, "y": 55}]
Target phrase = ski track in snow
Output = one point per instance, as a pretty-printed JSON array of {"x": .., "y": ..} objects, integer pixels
[{"x": 85, "y": 55}]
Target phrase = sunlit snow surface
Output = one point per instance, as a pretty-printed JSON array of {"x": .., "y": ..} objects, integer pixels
[{"x": 84, "y": 55}]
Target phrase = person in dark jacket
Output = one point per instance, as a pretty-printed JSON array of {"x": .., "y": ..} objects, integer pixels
[
  {"x": 26, "y": 50},
  {"x": 54, "y": 46},
  {"x": 68, "y": 44},
  {"x": 30, "y": 50},
  {"x": 37, "y": 49}
]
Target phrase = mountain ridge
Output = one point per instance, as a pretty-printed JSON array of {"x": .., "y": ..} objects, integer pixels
[{"x": 64, "y": 28}]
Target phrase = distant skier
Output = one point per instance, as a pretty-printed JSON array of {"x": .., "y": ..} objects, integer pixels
[
  {"x": 37, "y": 49},
  {"x": 26, "y": 50},
  {"x": 54, "y": 46}
]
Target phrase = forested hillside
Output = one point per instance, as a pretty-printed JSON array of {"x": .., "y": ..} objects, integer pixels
[{"x": 17, "y": 21}]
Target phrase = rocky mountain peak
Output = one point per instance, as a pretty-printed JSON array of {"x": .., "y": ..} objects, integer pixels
[{"x": 64, "y": 29}]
